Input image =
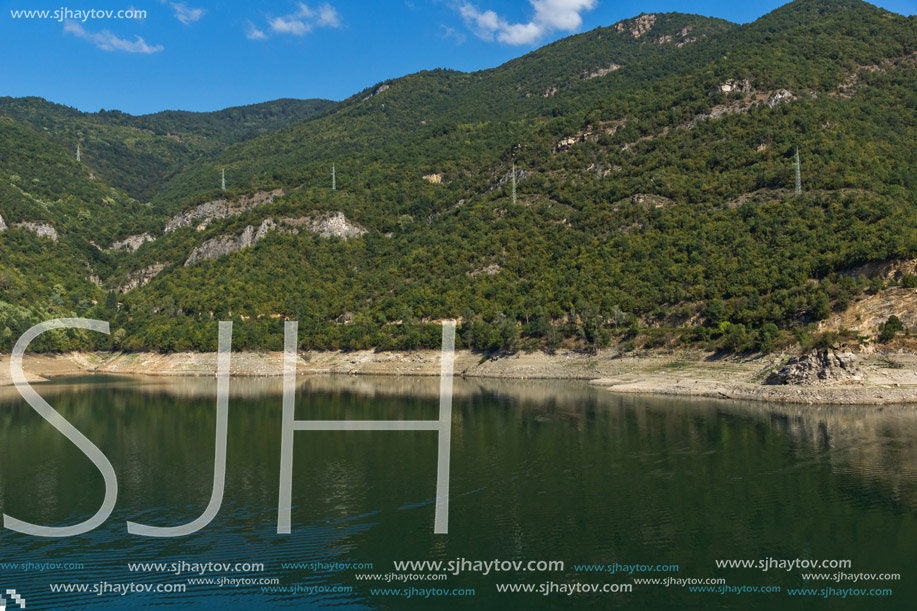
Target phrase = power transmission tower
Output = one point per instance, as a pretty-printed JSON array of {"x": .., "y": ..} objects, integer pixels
[
  {"x": 223, "y": 184},
  {"x": 334, "y": 179},
  {"x": 798, "y": 175},
  {"x": 514, "y": 182},
  {"x": 77, "y": 152}
]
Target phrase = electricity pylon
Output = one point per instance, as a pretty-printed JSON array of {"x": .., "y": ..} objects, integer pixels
[{"x": 514, "y": 182}]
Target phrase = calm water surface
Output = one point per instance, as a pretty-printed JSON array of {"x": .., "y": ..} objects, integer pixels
[{"x": 540, "y": 471}]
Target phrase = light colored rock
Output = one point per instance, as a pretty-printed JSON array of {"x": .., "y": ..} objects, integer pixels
[
  {"x": 42, "y": 230},
  {"x": 491, "y": 270},
  {"x": 733, "y": 86},
  {"x": 822, "y": 367},
  {"x": 267, "y": 225},
  {"x": 336, "y": 226},
  {"x": 220, "y": 209},
  {"x": 132, "y": 243},
  {"x": 638, "y": 26},
  {"x": 215, "y": 248},
  {"x": 778, "y": 97},
  {"x": 141, "y": 277},
  {"x": 602, "y": 71},
  {"x": 328, "y": 226},
  {"x": 378, "y": 90},
  {"x": 2, "y": 224},
  {"x": 435, "y": 179},
  {"x": 566, "y": 143}
]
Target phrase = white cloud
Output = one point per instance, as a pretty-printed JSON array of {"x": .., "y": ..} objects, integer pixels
[
  {"x": 107, "y": 41},
  {"x": 186, "y": 14},
  {"x": 253, "y": 33},
  {"x": 550, "y": 16},
  {"x": 306, "y": 19}
]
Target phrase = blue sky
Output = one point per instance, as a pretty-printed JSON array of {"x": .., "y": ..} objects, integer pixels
[{"x": 197, "y": 55}]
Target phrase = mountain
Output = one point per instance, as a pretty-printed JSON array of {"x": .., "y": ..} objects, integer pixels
[
  {"x": 654, "y": 172},
  {"x": 137, "y": 154}
]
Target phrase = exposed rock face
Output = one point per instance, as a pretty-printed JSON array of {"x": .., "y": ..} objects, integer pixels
[
  {"x": 565, "y": 144},
  {"x": 132, "y": 243},
  {"x": 42, "y": 230},
  {"x": 602, "y": 72},
  {"x": 733, "y": 86},
  {"x": 141, "y": 277},
  {"x": 867, "y": 315},
  {"x": 435, "y": 179},
  {"x": 378, "y": 90},
  {"x": 638, "y": 26},
  {"x": 220, "y": 209},
  {"x": 779, "y": 97},
  {"x": 335, "y": 225},
  {"x": 822, "y": 367},
  {"x": 670, "y": 37},
  {"x": 2, "y": 224},
  {"x": 222, "y": 245}
]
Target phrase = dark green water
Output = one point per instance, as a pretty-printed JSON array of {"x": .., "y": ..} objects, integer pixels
[{"x": 540, "y": 471}]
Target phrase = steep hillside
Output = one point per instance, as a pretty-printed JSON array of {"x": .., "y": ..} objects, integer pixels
[
  {"x": 137, "y": 154},
  {"x": 654, "y": 171}
]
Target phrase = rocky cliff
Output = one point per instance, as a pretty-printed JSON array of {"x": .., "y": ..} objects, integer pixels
[
  {"x": 335, "y": 225},
  {"x": 220, "y": 209}
]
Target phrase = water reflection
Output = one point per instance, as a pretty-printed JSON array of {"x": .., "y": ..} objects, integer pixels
[{"x": 541, "y": 470}]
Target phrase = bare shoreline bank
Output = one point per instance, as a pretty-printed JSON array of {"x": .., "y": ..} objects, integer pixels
[{"x": 684, "y": 373}]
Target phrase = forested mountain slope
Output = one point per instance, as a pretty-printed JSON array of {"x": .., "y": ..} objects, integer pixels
[{"x": 654, "y": 165}]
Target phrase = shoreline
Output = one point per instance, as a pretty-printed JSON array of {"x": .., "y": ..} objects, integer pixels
[{"x": 679, "y": 373}]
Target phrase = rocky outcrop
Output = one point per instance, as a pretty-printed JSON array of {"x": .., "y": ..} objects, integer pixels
[
  {"x": 638, "y": 26},
  {"x": 222, "y": 245},
  {"x": 733, "y": 86},
  {"x": 42, "y": 230},
  {"x": 203, "y": 214},
  {"x": 565, "y": 144},
  {"x": 378, "y": 90},
  {"x": 141, "y": 277},
  {"x": 778, "y": 97},
  {"x": 435, "y": 179},
  {"x": 132, "y": 243},
  {"x": 681, "y": 35},
  {"x": 822, "y": 367},
  {"x": 2, "y": 224},
  {"x": 601, "y": 72},
  {"x": 335, "y": 225}
]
